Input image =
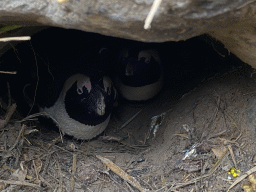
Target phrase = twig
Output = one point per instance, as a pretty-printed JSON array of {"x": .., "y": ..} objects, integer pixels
[
  {"x": 18, "y": 138},
  {"x": 117, "y": 170},
  {"x": 19, "y": 183},
  {"x": 232, "y": 155},
  {"x": 216, "y": 135},
  {"x": 17, "y": 154},
  {"x": 5, "y": 39},
  {"x": 130, "y": 120},
  {"x": 62, "y": 1},
  {"x": 9, "y": 72},
  {"x": 37, "y": 75},
  {"x": 35, "y": 169},
  {"x": 152, "y": 13},
  {"x": 54, "y": 141},
  {"x": 48, "y": 115},
  {"x": 73, "y": 172},
  {"x": 60, "y": 176}
]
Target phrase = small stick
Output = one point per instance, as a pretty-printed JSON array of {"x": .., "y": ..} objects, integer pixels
[
  {"x": 35, "y": 169},
  {"x": 6, "y": 39},
  {"x": 60, "y": 176},
  {"x": 18, "y": 138},
  {"x": 117, "y": 170},
  {"x": 152, "y": 13},
  {"x": 130, "y": 120},
  {"x": 19, "y": 183},
  {"x": 73, "y": 168},
  {"x": 54, "y": 141},
  {"x": 73, "y": 172},
  {"x": 232, "y": 155},
  {"x": 62, "y": 1},
  {"x": 9, "y": 72},
  {"x": 40, "y": 114},
  {"x": 48, "y": 115}
]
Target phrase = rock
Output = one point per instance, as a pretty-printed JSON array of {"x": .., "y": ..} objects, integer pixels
[
  {"x": 230, "y": 21},
  {"x": 240, "y": 39},
  {"x": 174, "y": 20}
]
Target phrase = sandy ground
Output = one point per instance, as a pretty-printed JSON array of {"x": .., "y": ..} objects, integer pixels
[{"x": 220, "y": 113}]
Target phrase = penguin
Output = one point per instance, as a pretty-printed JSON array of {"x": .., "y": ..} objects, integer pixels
[
  {"x": 84, "y": 106},
  {"x": 68, "y": 81},
  {"x": 139, "y": 74}
]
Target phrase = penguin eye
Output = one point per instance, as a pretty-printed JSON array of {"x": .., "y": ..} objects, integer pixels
[{"x": 79, "y": 91}]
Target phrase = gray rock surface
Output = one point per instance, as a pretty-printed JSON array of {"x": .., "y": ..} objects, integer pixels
[{"x": 175, "y": 19}]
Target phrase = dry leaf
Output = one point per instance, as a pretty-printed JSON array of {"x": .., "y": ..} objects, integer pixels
[
  {"x": 252, "y": 186},
  {"x": 219, "y": 152},
  {"x": 247, "y": 188}
]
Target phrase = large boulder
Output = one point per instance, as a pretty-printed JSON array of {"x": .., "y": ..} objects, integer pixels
[
  {"x": 174, "y": 20},
  {"x": 230, "y": 21}
]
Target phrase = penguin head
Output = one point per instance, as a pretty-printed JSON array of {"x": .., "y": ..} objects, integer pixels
[
  {"x": 138, "y": 68},
  {"x": 89, "y": 99}
]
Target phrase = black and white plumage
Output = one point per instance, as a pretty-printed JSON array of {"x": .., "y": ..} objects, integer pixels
[
  {"x": 140, "y": 74},
  {"x": 67, "y": 80},
  {"x": 84, "y": 106}
]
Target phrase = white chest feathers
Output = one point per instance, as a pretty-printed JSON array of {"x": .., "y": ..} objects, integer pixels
[{"x": 84, "y": 106}]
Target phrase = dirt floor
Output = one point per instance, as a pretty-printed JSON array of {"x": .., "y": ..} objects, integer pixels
[{"x": 205, "y": 137}]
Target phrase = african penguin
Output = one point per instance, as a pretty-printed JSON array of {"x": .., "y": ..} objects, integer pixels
[
  {"x": 67, "y": 80},
  {"x": 84, "y": 105},
  {"x": 139, "y": 74}
]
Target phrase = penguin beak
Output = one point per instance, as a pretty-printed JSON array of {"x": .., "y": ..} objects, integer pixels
[
  {"x": 97, "y": 101},
  {"x": 130, "y": 68},
  {"x": 100, "y": 105}
]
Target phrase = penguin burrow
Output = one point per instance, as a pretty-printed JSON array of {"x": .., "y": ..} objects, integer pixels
[
  {"x": 78, "y": 80},
  {"x": 194, "y": 94}
]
